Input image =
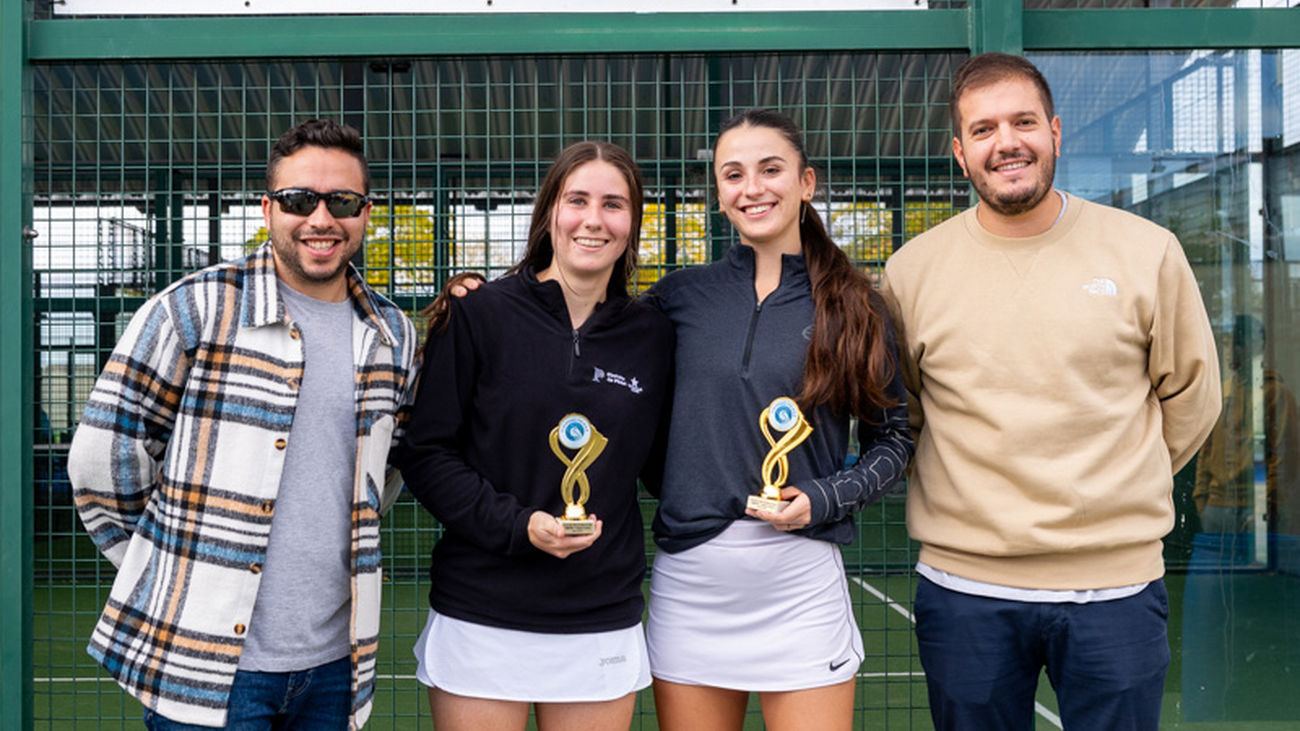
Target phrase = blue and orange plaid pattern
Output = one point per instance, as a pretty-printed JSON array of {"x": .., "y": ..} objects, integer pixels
[{"x": 176, "y": 467}]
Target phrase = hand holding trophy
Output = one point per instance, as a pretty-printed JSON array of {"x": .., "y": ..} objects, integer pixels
[
  {"x": 782, "y": 414},
  {"x": 576, "y": 432}
]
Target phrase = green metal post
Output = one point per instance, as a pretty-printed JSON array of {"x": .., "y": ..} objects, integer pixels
[
  {"x": 163, "y": 265},
  {"x": 442, "y": 221},
  {"x": 717, "y": 229},
  {"x": 16, "y": 376},
  {"x": 997, "y": 25}
]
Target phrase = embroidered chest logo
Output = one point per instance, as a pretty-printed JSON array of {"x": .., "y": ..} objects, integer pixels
[
  {"x": 603, "y": 376},
  {"x": 1102, "y": 286}
]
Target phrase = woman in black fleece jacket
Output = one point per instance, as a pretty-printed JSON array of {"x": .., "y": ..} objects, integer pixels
[{"x": 521, "y": 613}]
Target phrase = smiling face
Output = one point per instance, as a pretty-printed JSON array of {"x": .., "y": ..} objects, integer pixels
[
  {"x": 312, "y": 252},
  {"x": 590, "y": 223},
  {"x": 1008, "y": 147},
  {"x": 762, "y": 182}
]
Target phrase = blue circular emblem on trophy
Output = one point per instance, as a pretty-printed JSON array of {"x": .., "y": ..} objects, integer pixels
[
  {"x": 575, "y": 431},
  {"x": 783, "y": 414}
]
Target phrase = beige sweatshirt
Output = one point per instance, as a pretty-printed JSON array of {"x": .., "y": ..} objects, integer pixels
[{"x": 1056, "y": 384}]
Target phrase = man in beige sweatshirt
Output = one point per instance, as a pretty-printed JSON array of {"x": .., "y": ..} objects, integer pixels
[{"x": 1060, "y": 369}]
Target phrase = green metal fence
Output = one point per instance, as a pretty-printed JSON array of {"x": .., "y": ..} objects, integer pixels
[{"x": 145, "y": 171}]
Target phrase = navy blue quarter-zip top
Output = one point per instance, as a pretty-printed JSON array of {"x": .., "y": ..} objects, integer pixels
[
  {"x": 749, "y": 338},
  {"x": 734, "y": 356}
]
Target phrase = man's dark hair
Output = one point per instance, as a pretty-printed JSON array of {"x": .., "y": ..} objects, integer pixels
[
  {"x": 991, "y": 68},
  {"x": 324, "y": 133}
]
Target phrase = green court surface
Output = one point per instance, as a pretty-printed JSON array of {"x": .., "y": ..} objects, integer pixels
[{"x": 71, "y": 692}]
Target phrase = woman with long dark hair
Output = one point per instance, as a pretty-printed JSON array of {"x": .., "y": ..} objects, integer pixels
[
  {"x": 546, "y": 387},
  {"x": 756, "y": 600}
]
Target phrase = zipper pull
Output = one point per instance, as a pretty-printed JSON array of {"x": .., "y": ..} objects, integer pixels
[{"x": 577, "y": 352}]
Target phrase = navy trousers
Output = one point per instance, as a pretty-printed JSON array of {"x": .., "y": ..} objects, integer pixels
[{"x": 982, "y": 658}]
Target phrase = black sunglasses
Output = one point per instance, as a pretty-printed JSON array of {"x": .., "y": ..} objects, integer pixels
[{"x": 301, "y": 202}]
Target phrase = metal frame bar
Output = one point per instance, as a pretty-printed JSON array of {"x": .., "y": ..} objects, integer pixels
[
  {"x": 997, "y": 26},
  {"x": 1151, "y": 30},
  {"x": 407, "y": 35},
  {"x": 16, "y": 686},
  {"x": 989, "y": 25}
]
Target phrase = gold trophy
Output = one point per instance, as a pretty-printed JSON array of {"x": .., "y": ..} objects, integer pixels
[
  {"x": 783, "y": 415},
  {"x": 575, "y": 432}
]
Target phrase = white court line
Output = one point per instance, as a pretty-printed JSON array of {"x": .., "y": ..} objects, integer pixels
[
  {"x": 882, "y": 597},
  {"x": 1052, "y": 718},
  {"x": 1039, "y": 708}
]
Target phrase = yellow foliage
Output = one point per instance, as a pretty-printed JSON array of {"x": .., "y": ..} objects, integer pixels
[
  {"x": 863, "y": 229},
  {"x": 401, "y": 240},
  {"x": 920, "y": 217},
  {"x": 400, "y": 244},
  {"x": 692, "y": 222}
]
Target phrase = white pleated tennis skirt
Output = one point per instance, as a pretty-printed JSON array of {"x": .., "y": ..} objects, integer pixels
[
  {"x": 753, "y": 609},
  {"x": 478, "y": 661}
]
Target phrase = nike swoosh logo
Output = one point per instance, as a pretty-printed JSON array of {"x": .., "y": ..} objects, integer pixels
[{"x": 837, "y": 665}]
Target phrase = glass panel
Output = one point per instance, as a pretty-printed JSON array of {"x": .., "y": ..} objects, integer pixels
[{"x": 1205, "y": 144}]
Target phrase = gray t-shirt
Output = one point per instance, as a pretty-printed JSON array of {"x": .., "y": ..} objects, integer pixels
[{"x": 301, "y": 618}]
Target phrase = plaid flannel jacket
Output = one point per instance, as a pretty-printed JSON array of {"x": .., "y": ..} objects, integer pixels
[{"x": 176, "y": 466}]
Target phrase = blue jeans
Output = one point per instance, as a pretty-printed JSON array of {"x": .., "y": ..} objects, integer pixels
[
  {"x": 317, "y": 699},
  {"x": 982, "y": 658}
]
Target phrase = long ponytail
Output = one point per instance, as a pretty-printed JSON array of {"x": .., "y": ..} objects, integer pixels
[{"x": 848, "y": 364}]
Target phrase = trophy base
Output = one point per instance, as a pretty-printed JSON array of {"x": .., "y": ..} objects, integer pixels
[
  {"x": 761, "y": 503},
  {"x": 573, "y": 527}
]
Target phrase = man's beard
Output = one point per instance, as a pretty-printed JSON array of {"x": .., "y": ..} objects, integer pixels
[{"x": 1014, "y": 204}]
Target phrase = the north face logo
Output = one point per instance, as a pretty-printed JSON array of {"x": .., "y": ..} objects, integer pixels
[{"x": 1102, "y": 286}]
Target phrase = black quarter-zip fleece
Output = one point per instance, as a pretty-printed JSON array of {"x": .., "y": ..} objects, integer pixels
[{"x": 506, "y": 369}]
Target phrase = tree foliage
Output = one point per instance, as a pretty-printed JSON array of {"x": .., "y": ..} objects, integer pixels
[{"x": 401, "y": 240}]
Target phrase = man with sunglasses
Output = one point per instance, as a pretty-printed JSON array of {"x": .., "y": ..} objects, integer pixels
[{"x": 238, "y": 489}]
